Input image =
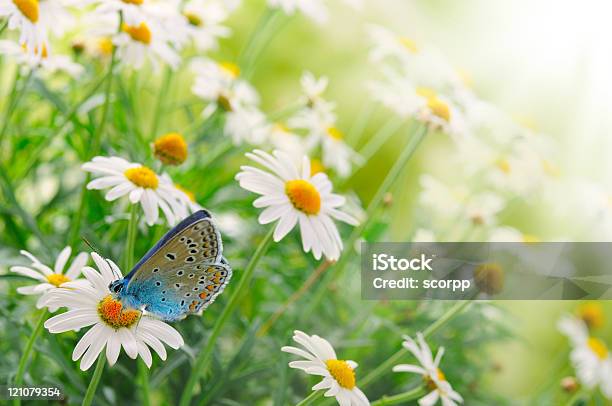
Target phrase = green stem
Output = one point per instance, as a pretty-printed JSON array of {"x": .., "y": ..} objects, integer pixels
[
  {"x": 4, "y": 25},
  {"x": 375, "y": 203},
  {"x": 26, "y": 218},
  {"x": 161, "y": 98},
  {"x": 258, "y": 40},
  {"x": 311, "y": 398},
  {"x": 74, "y": 110},
  {"x": 13, "y": 101},
  {"x": 388, "y": 364},
  {"x": 131, "y": 237},
  {"x": 580, "y": 395},
  {"x": 25, "y": 357},
  {"x": 144, "y": 383},
  {"x": 380, "y": 138},
  {"x": 401, "y": 398},
  {"x": 95, "y": 380},
  {"x": 95, "y": 144},
  {"x": 201, "y": 362}
]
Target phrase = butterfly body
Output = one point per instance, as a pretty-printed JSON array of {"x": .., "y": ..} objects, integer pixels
[{"x": 181, "y": 275}]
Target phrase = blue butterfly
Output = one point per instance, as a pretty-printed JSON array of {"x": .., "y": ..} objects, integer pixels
[{"x": 181, "y": 275}]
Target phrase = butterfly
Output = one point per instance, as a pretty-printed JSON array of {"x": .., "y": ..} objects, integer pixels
[{"x": 181, "y": 275}]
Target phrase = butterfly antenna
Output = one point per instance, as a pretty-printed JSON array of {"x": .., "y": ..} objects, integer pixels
[{"x": 90, "y": 245}]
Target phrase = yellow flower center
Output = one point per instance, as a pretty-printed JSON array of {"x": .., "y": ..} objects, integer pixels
[
  {"x": 335, "y": 133},
  {"x": 342, "y": 372},
  {"x": 550, "y": 169},
  {"x": 105, "y": 46},
  {"x": 503, "y": 165},
  {"x": 29, "y": 8},
  {"x": 437, "y": 106},
  {"x": 303, "y": 195},
  {"x": 316, "y": 167},
  {"x": 409, "y": 44},
  {"x": 489, "y": 278},
  {"x": 139, "y": 33},
  {"x": 111, "y": 311},
  {"x": 188, "y": 192},
  {"x": 137, "y": 2},
  {"x": 591, "y": 314},
  {"x": 44, "y": 52},
  {"x": 56, "y": 279},
  {"x": 430, "y": 383},
  {"x": 282, "y": 128},
  {"x": 530, "y": 239},
  {"x": 598, "y": 347},
  {"x": 171, "y": 149},
  {"x": 230, "y": 68},
  {"x": 142, "y": 177},
  {"x": 193, "y": 19}
]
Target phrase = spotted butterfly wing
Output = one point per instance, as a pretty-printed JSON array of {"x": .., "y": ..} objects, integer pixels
[{"x": 183, "y": 273}]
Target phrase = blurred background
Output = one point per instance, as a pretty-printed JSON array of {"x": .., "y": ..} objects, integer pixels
[{"x": 547, "y": 63}]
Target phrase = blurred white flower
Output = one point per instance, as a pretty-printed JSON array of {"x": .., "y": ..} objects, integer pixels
[
  {"x": 141, "y": 184},
  {"x": 400, "y": 94},
  {"x": 479, "y": 209},
  {"x": 313, "y": 87},
  {"x": 316, "y": 10},
  {"x": 218, "y": 83},
  {"x": 205, "y": 22},
  {"x": 114, "y": 326},
  {"x": 147, "y": 40},
  {"x": 590, "y": 356},
  {"x": 319, "y": 120},
  {"x": 321, "y": 360},
  {"x": 50, "y": 279},
  {"x": 44, "y": 63},
  {"x": 247, "y": 124},
  {"x": 133, "y": 12},
  {"x": 293, "y": 195},
  {"x": 424, "y": 235},
  {"x": 388, "y": 44},
  {"x": 283, "y": 139},
  {"x": 429, "y": 369},
  {"x": 510, "y": 234},
  {"x": 34, "y": 19}
]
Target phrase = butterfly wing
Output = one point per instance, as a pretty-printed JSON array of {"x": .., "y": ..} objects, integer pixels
[{"x": 183, "y": 273}]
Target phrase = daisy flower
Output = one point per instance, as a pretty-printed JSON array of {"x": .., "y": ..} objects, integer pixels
[
  {"x": 141, "y": 184},
  {"x": 142, "y": 41},
  {"x": 283, "y": 139},
  {"x": 25, "y": 16},
  {"x": 45, "y": 63},
  {"x": 429, "y": 369},
  {"x": 50, "y": 279},
  {"x": 35, "y": 18},
  {"x": 321, "y": 360},
  {"x": 293, "y": 195},
  {"x": 313, "y": 87},
  {"x": 313, "y": 9},
  {"x": 388, "y": 44},
  {"x": 218, "y": 83},
  {"x": 114, "y": 326},
  {"x": 316, "y": 10},
  {"x": 319, "y": 120},
  {"x": 133, "y": 11},
  {"x": 205, "y": 19},
  {"x": 402, "y": 96},
  {"x": 248, "y": 125},
  {"x": 590, "y": 356}
]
